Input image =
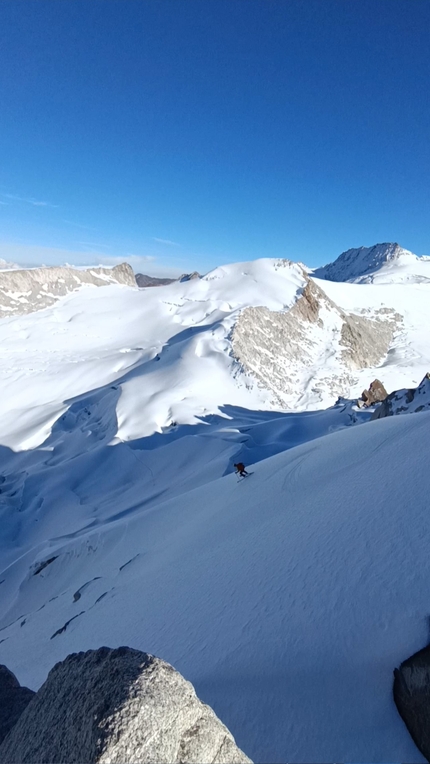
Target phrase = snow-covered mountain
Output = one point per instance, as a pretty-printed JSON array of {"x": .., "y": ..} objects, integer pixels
[
  {"x": 380, "y": 264},
  {"x": 286, "y": 599},
  {"x": 25, "y": 291}
]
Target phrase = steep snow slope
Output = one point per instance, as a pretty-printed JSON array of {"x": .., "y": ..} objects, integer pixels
[
  {"x": 286, "y": 598},
  {"x": 380, "y": 264}
]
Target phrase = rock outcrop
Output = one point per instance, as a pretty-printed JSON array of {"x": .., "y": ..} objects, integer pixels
[
  {"x": 408, "y": 401},
  {"x": 143, "y": 281},
  {"x": 375, "y": 394},
  {"x": 286, "y": 350},
  {"x": 411, "y": 692},
  {"x": 13, "y": 701},
  {"x": 118, "y": 706},
  {"x": 25, "y": 291}
]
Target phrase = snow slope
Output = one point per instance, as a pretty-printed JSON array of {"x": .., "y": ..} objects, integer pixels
[
  {"x": 287, "y": 598},
  {"x": 381, "y": 264},
  {"x": 169, "y": 350}
]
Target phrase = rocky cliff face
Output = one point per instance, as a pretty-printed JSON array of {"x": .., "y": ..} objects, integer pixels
[
  {"x": 117, "y": 707},
  {"x": 312, "y": 342},
  {"x": 25, "y": 291}
]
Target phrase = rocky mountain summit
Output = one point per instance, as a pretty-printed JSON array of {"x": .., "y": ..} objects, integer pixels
[
  {"x": 382, "y": 263},
  {"x": 25, "y": 291},
  {"x": 285, "y": 350},
  {"x": 118, "y": 706}
]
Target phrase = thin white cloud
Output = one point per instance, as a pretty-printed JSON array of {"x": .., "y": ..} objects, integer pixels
[
  {"x": 34, "y": 202},
  {"x": 94, "y": 245},
  {"x": 166, "y": 241},
  {"x": 79, "y": 225}
]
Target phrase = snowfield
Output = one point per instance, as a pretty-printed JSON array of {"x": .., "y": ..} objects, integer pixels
[{"x": 287, "y": 598}]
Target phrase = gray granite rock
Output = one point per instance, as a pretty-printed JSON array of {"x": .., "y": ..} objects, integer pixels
[
  {"x": 13, "y": 700},
  {"x": 118, "y": 706},
  {"x": 280, "y": 348},
  {"x": 412, "y": 697}
]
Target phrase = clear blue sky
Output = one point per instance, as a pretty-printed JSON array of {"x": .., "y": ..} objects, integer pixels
[{"x": 199, "y": 132}]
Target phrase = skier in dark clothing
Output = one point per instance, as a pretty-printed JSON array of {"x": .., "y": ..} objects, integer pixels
[{"x": 240, "y": 469}]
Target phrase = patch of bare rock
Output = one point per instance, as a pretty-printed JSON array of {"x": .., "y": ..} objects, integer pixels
[
  {"x": 280, "y": 347},
  {"x": 118, "y": 706}
]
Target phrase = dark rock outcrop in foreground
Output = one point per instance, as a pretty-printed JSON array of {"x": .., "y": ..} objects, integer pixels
[
  {"x": 13, "y": 701},
  {"x": 118, "y": 706},
  {"x": 412, "y": 697}
]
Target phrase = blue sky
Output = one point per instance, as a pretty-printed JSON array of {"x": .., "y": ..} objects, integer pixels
[{"x": 182, "y": 134}]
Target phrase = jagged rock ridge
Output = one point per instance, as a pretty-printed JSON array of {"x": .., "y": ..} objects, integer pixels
[
  {"x": 406, "y": 401},
  {"x": 117, "y": 706},
  {"x": 314, "y": 341},
  {"x": 25, "y": 291}
]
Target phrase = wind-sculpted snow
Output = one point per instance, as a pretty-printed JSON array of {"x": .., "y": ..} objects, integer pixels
[
  {"x": 25, "y": 291},
  {"x": 315, "y": 344},
  {"x": 382, "y": 264},
  {"x": 286, "y": 599}
]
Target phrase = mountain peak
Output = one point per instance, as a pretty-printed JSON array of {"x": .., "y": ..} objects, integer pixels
[{"x": 363, "y": 263}]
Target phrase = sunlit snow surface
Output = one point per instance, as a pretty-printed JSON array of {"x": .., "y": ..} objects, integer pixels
[{"x": 287, "y": 598}]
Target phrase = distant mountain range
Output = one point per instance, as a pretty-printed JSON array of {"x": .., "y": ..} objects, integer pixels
[{"x": 143, "y": 280}]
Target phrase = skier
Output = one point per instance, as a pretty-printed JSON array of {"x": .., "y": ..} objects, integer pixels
[{"x": 240, "y": 469}]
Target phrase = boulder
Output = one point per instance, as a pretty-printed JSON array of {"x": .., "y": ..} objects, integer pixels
[
  {"x": 118, "y": 706},
  {"x": 375, "y": 394},
  {"x": 412, "y": 697},
  {"x": 13, "y": 701}
]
